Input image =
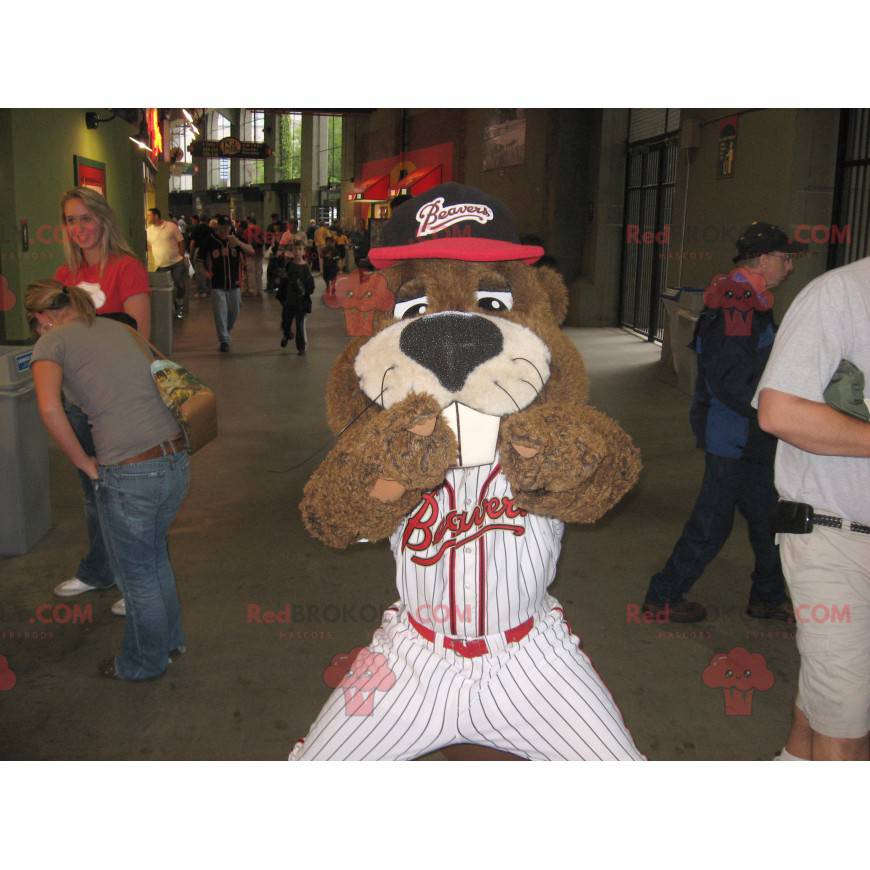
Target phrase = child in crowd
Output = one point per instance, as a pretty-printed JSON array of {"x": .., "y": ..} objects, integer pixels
[{"x": 295, "y": 286}]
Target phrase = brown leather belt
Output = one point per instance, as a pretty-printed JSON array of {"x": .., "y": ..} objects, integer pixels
[{"x": 165, "y": 448}]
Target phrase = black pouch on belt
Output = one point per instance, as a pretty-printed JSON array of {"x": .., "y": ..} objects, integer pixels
[{"x": 793, "y": 518}]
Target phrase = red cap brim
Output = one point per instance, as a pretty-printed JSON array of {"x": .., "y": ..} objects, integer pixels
[{"x": 470, "y": 249}]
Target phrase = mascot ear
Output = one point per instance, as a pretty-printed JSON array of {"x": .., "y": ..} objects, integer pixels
[{"x": 551, "y": 282}]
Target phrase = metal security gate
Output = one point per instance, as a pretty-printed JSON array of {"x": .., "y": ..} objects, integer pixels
[
  {"x": 849, "y": 236},
  {"x": 649, "y": 193}
]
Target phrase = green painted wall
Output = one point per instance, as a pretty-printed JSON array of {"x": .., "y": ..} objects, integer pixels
[{"x": 36, "y": 167}]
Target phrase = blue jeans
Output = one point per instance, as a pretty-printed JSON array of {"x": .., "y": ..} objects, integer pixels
[
  {"x": 137, "y": 504},
  {"x": 178, "y": 273},
  {"x": 225, "y": 306},
  {"x": 94, "y": 569},
  {"x": 727, "y": 484}
]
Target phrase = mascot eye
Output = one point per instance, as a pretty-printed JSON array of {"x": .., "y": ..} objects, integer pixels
[
  {"x": 411, "y": 308},
  {"x": 495, "y": 300}
]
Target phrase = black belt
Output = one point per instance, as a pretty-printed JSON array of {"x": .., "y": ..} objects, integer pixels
[
  {"x": 839, "y": 523},
  {"x": 798, "y": 518}
]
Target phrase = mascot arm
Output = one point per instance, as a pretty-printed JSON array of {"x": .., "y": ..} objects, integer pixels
[
  {"x": 572, "y": 463},
  {"x": 377, "y": 471}
]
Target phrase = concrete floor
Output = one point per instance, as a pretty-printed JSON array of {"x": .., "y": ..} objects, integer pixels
[{"x": 248, "y": 690}]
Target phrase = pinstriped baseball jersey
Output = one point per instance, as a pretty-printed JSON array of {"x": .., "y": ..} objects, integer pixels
[{"x": 469, "y": 562}]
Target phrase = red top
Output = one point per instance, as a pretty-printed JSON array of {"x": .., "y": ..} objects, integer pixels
[{"x": 124, "y": 276}]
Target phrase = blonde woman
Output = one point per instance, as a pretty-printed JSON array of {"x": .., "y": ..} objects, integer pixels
[
  {"x": 100, "y": 262},
  {"x": 138, "y": 472}
]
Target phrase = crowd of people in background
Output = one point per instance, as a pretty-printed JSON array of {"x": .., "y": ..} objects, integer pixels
[
  {"x": 227, "y": 258},
  {"x": 321, "y": 241}
]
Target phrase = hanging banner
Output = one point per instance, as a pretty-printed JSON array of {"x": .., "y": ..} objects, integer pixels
[{"x": 727, "y": 146}]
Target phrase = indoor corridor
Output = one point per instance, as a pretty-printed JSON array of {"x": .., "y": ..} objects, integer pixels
[{"x": 266, "y": 607}]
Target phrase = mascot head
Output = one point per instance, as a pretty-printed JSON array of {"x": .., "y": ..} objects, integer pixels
[
  {"x": 467, "y": 366},
  {"x": 473, "y": 322}
]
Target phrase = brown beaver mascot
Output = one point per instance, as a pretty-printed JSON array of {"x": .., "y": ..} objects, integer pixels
[{"x": 470, "y": 444}]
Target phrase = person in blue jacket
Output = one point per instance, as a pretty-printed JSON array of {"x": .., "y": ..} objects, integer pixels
[{"x": 733, "y": 340}]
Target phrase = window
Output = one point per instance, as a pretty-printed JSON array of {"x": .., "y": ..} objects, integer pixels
[
  {"x": 848, "y": 237},
  {"x": 288, "y": 161},
  {"x": 328, "y": 150},
  {"x": 253, "y": 171},
  {"x": 181, "y": 170},
  {"x": 219, "y": 167},
  {"x": 650, "y": 123}
]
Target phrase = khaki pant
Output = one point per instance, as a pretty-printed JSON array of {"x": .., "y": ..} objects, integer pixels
[{"x": 828, "y": 576}]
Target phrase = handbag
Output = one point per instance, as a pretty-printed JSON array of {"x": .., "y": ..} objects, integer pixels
[{"x": 192, "y": 403}]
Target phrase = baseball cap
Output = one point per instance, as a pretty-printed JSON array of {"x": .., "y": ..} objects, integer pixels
[
  {"x": 764, "y": 238},
  {"x": 452, "y": 222}
]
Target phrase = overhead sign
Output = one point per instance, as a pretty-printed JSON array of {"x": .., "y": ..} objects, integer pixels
[{"x": 229, "y": 147}]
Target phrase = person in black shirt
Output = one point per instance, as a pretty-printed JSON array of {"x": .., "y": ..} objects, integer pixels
[
  {"x": 329, "y": 266},
  {"x": 199, "y": 230},
  {"x": 295, "y": 287},
  {"x": 220, "y": 251}
]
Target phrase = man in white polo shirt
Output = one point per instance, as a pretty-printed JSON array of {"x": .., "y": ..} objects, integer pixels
[
  {"x": 166, "y": 243},
  {"x": 823, "y": 480}
]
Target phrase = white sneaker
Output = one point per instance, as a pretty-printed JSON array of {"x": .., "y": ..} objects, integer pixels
[
  {"x": 119, "y": 608},
  {"x": 72, "y": 587}
]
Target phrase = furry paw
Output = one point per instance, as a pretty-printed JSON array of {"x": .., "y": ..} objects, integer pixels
[
  {"x": 571, "y": 462},
  {"x": 416, "y": 447},
  {"x": 551, "y": 449}
]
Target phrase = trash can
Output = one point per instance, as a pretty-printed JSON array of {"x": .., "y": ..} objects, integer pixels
[
  {"x": 162, "y": 310},
  {"x": 683, "y": 305},
  {"x": 25, "y": 506}
]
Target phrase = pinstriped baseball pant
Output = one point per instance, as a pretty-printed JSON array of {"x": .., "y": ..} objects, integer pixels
[{"x": 540, "y": 699}]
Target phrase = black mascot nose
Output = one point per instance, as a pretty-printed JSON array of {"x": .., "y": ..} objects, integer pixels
[{"x": 451, "y": 345}]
